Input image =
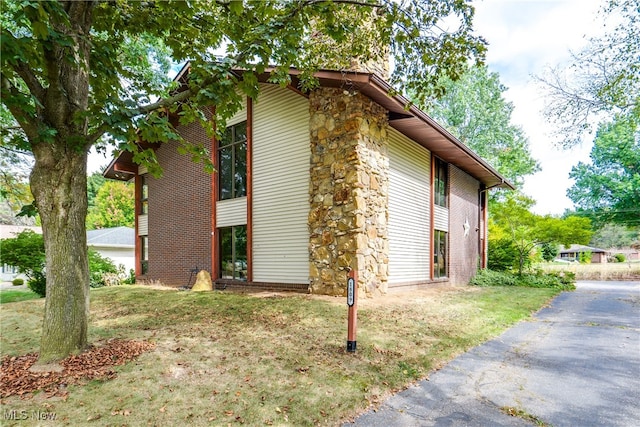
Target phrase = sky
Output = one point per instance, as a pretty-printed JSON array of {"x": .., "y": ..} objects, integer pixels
[{"x": 525, "y": 37}]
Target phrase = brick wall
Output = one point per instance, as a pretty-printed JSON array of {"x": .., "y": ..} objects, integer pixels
[
  {"x": 179, "y": 214},
  {"x": 463, "y": 250}
]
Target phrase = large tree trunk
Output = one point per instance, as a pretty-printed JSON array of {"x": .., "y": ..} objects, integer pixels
[{"x": 59, "y": 186}]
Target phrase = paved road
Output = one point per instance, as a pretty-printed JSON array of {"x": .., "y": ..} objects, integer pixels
[{"x": 577, "y": 363}]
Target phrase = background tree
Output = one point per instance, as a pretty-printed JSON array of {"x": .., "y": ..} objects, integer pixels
[
  {"x": 602, "y": 81},
  {"x": 474, "y": 110},
  {"x": 75, "y": 70},
  {"x": 94, "y": 182},
  {"x": 549, "y": 251},
  {"x": 608, "y": 189},
  {"x": 615, "y": 236},
  {"x": 513, "y": 223},
  {"x": 113, "y": 206},
  {"x": 15, "y": 164}
]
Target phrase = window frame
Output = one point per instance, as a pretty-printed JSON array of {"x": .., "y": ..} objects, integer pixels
[
  {"x": 144, "y": 254},
  {"x": 440, "y": 250},
  {"x": 144, "y": 194},
  {"x": 441, "y": 183},
  {"x": 233, "y": 144},
  {"x": 242, "y": 259}
]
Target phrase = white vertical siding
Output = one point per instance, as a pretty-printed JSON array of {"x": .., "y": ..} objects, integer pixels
[
  {"x": 441, "y": 218},
  {"x": 409, "y": 202},
  {"x": 143, "y": 225},
  {"x": 281, "y": 151},
  {"x": 240, "y": 115},
  {"x": 231, "y": 212}
]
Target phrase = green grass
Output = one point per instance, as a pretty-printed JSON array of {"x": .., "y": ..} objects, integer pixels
[
  {"x": 226, "y": 358},
  {"x": 15, "y": 295}
]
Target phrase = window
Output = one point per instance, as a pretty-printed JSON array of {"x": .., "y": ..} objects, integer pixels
[
  {"x": 441, "y": 183},
  {"x": 440, "y": 249},
  {"x": 144, "y": 194},
  {"x": 232, "y": 162},
  {"x": 144, "y": 254},
  {"x": 233, "y": 252}
]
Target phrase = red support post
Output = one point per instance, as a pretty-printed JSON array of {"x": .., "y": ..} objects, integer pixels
[{"x": 352, "y": 303}]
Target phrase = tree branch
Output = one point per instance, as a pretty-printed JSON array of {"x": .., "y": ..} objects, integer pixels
[
  {"x": 31, "y": 81},
  {"x": 19, "y": 114}
]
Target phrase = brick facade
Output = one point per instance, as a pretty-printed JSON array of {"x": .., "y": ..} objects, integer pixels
[
  {"x": 463, "y": 209},
  {"x": 179, "y": 214}
]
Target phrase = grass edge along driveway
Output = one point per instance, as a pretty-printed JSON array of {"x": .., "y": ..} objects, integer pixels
[{"x": 264, "y": 359}]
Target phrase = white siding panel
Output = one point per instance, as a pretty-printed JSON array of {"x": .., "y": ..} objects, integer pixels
[
  {"x": 240, "y": 115},
  {"x": 409, "y": 201},
  {"x": 441, "y": 218},
  {"x": 143, "y": 225},
  {"x": 281, "y": 151},
  {"x": 231, "y": 212}
]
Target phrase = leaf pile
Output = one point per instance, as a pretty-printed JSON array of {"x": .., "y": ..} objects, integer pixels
[{"x": 96, "y": 363}]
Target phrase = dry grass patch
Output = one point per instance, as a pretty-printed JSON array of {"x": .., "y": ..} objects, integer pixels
[
  {"x": 609, "y": 271},
  {"x": 225, "y": 358}
]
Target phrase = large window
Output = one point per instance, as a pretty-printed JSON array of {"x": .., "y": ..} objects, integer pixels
[
  {"x": 233, "y": 252},
  {"x": 144, "y": 254},
  {"x": 144, "y": 194},
  {"x": 440, "y": 252},
  {"x": 441, "y": 183},
  {"x": 232, "y": 162}
]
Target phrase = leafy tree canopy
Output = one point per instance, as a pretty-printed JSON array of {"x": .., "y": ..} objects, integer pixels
[
  {"x": 114, "y": 206},
  {"x": 474, "y": 110},
  {"x": 608, "y": 189}
]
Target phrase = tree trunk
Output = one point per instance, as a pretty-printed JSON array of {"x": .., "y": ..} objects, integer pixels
[{"x": 59, "y": 186}]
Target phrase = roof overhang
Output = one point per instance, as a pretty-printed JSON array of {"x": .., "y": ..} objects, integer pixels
[{"x": 405, "y": 117}]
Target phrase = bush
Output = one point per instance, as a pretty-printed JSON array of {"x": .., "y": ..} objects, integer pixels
[
  {"x": 17, "y": 281},
  {"x": 493, "y": 278},
  {"x": 556, "y": 280},
  {"x": 38, "y": 283},
  {"x": 101, "y": 270},
  {"x": 503, "y": 255},
  {"x": 619, "y": 258}
]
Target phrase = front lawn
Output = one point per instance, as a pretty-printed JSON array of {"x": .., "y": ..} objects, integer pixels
[
  {"x": 15, "y": 295},
  {"x": 271, "y": 359}
]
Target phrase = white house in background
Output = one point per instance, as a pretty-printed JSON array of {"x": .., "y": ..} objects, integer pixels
[
  {"x": 117, "y": 243},
  {"x": 9, "y": 272}
]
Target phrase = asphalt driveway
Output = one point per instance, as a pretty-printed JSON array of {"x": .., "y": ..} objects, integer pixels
[{"x": 577, "y": 363}]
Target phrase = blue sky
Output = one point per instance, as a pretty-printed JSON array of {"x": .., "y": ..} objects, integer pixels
[{"x": 525, "y": 37}]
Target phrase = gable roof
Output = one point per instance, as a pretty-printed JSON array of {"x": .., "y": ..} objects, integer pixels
[
  {"x": 116, "y": 237},
  {"x": 403, "y": 116},
  {"x": 581, "y": 248}
]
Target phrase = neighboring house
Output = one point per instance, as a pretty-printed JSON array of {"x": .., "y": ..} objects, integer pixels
[
  {"x": 10, "y": 272},
  {"x": 117, "y": 243},
  {"x": 310, "y": 185},
  {"x": 574, "y": 251}
]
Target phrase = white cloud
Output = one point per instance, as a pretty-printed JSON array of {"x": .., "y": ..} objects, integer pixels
[{"x": 525, "y": 37}]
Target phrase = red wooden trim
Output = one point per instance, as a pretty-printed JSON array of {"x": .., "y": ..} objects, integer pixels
[
  {"x": 138, "y": 209},
  {"x": 431, "y": 218},
  {"x": 249, "y": 189},
  {"x": 215, "y": 273},
  {"x": 483, "y": 228}
]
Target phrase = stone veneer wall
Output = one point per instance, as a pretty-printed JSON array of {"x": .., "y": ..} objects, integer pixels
[{"x": 348, "y": 192}]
